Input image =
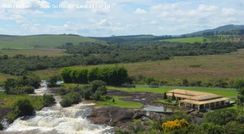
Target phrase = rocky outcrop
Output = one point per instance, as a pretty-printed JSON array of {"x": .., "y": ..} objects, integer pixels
[{"x": 114, "y": 116}]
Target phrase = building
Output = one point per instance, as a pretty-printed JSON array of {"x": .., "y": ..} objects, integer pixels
[{"x": 198, "y": 100}]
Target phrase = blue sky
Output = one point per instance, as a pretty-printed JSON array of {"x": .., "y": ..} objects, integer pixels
[{"x": 116, "y": 17}]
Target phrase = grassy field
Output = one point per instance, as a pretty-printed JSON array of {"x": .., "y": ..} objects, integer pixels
[
  {"x": 186, "y": 40},
  {"x": 40, "y": 41},
  {"x": 204, "y": 68},
  {"x": 119, "y": 103},
  {"x": 33, "y": 52},
  {"x": 7, "y": 101},
  {"x": 227, "y": 92}
]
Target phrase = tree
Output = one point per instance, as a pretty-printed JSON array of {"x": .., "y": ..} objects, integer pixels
[{"x": 23, "y": 108}]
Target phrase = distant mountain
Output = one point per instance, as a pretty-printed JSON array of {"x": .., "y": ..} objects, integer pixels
[
  {"x": 225, "y": 30},
  {"x": 41, "y": 41}
]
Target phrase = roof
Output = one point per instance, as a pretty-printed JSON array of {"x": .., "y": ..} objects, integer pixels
[
  {"x": 193, "y": 95},
  {"x": 204, "y": 102}
]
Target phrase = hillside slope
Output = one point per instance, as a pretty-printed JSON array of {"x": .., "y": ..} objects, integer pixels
[
  {"x": 40, "y": 41},
  {"x": 227, "y": 29}
]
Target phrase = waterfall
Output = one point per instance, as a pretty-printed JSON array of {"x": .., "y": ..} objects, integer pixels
[{"x": 58, "y": 120}]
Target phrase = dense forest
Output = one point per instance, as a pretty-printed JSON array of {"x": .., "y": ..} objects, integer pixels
[{"x": 113, "y": 52}]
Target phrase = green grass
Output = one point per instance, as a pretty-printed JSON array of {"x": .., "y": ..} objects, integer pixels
[
  {"x": 33, "y": 52},
  {"x": 186, "y": 40},
  {"x": 226, "y": 92},
  {"x": 40, "y": 41},
  {"x": 7, "y": 101},
  {"x": 119, "y": 103}
]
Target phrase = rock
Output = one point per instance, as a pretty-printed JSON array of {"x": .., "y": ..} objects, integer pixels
[{"x": 114, "y": 116}]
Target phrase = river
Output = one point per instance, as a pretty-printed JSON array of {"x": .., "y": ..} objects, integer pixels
[{"x": 58, "y": 120}]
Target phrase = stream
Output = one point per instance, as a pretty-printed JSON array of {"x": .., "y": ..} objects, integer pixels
[{"x": 58, "y": 120}]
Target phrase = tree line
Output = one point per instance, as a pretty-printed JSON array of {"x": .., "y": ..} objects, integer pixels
[{"x": 111, "y": 75}]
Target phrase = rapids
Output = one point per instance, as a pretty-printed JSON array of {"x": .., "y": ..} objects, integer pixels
[{"x": 58, "y": 120}]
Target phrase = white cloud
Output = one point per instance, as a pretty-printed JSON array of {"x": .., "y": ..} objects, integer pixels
[
  {"x": 22, "y": 4},
  {"x": 140, "y": 11}
]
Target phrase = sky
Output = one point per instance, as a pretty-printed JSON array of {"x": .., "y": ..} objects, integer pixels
[{"x": 117, "y": 17}]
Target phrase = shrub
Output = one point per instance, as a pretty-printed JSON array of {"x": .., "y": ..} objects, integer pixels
[
  {"x": 52, "y": 82},
  {"x": 70, "y": 98},
  {"x": 221, "y": 117},
  {"x": 23, "y": 108},
  {"x": 23, "y": 85},
  {"x": 175, "y": 124},
  {"x": 211, "y": 128},
  {"x": 48, "y": 100}
]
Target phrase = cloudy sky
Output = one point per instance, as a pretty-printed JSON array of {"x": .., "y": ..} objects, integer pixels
[{"x": 116, "y": 17}]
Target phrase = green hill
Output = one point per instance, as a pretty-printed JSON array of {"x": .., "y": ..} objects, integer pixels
[
  {"x": 186, "y": 40},
  {"x": 40, "y": 41},
  {"x": 222, "y": 30}
]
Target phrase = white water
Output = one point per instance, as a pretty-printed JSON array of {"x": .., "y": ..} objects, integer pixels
[{"x": 58, "y": 120}]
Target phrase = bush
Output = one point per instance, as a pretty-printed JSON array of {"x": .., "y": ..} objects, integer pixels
[
  {"x": 20, "y": 90},
  {"x": 23, "y": 85},
  {"x": 52, "y": 82},
  {"x": 174, "y": 124},
  {"x": 23, "y": 108},
  {"x": 48, "y": 100},
  {"x": 211, "y": 128},
  {"x": 221, "y": 117},
  {"x": 70, "y": 98}
]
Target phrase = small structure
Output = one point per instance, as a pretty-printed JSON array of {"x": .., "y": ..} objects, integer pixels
[{"x": 198, "y": 100}]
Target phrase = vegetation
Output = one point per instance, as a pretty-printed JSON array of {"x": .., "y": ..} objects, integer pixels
[
  {"x": 111, "y": 75},
  {"x": 227, "y": 92},
  {"x": 187, "y": 40},
  {"x": 48, "y": 100},
  {"x": 175, "y": 124},
  {"x": 117, "y": 101},
  {"x": 23, "y": 108},
  {"x": 70, "y": 98},
  {"x": 211, "y": 70},
  {"x": 33, "y": 52},
  {"x": 20, "y": 65},
  {"x": 40, "y": 41},
  {"x": 23, "y": 85},
  {"x": 94, "y": 91}
]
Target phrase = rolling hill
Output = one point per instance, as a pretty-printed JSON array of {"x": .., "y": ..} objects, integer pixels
[
  {"x": 40, "y": 41},
  {"x": 224, "y": 30}
]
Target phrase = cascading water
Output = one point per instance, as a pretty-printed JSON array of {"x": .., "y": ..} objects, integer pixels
[{"x": 58, "y": 120}]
